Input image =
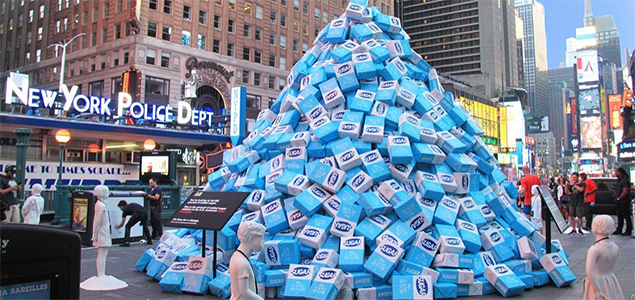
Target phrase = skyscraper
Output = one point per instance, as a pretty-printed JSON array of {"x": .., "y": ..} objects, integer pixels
[
  {"x": 535, "y": 41},
  {"x": 607, "y": 35},
  {"x": 472, "y": 40}
]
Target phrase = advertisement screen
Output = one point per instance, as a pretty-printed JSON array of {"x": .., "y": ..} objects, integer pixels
[
  {"x": 587, "y": 66},
  {"x": 589, "y": 102},
  {"x": 155, "y": 165},
  {"x": 574, "y": 114},
  {"x": 615, "y": 117},
  {"x": 591, "y": 132},
  {"x": 80, "y": 214}
]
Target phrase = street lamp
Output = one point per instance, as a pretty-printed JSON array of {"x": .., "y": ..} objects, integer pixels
[
  {"x": 64, "y": 44},
  {"x": 62, "y": 136},
  {"x": 149, "y": 145}
]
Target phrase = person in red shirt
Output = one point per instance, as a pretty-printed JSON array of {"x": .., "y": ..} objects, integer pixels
[
  {"x": 528, "y": 181},
  {"x": 589, "y": 199}
]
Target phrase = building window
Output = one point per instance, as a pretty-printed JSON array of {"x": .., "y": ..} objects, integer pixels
[
  {"x": 283, "y": 63},
  {"x": 283, "y": 20},
  {"x": 272, "y": 38},
  {"x": 95, "y": 14},
  {"x": 272, "y": 60},
  {"x": 152, "y": 29},
  {"x": 305, "y": 29},
  {"x": 296, "y": 26},
  {"x": 126, "y": 57},
  {"x": 166, "y": 34},
  {"x": 247, "y": 30},
  {"x": 316, "y": 13},
  {"x": 216, "y": 46},
  {"x": 305, "y": 47},
  {"x": 272, "y": 17},
  {"x": 186, "y": 37},
  {"x": 325, "y": 17},
  {"x": 253, "y": 101},
  {"x": 96, "y": 88},
  {"x": 201, "y": 41},
  {"x": 157, "y": 86},
  {"x": 283, "y": 42},
  {"x": 103, "y": 62},
  {"x": 305, "y": 7},
  {"x": 258, "y": 35},
  {"x": 230, "y": 49},
  {"x": 165, "y": 59},
  {"x": 38, "y": 55},
  {"x": 271, "y": 84},
  {"x": 217, "y": 21},
  {"x": 128, "y": 28},
  {"x": 31, "y": 16},
  {"x": 232, "y": 4},
  {"x": 245, "y": 76},
  {"x": 115, "y": 61},
  {"x": 295, "y": 46},
  {"x": 167, "y": 6},
  {"x": 93, "y": 39},
  {"x": 202, "y": 17},
  {"x": 246, "y": 53},
  {"x": 219, "y": 2},
  {"x": 259, "y": 12},
  {"x": 119, "y": 5},
  {"x": 257, "y": 56},
  {"x": 283, "y": 2},
  {"x": 247, "y": 9},
  {"x": 187, "y": 12},
  {"x": 281, "y": 83},
  {"x": 230, "y": 25},
  {"x": 151, "y": 56},
  {"x": 296, "y": 5},
  {"x": 118, "y": 31},
  {"x": 106, "y": 10},
  {"x": 29, "y": 38},
  {"x": 257, "y": 79},
  {"x": 42, "y": 11},
  {"x": 104, "y": 35},
  {"x": 39, "y": 33},
  {"x": 153, "y": 4}
]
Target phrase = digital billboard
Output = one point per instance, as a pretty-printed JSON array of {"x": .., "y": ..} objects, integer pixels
[
  {"x": 587, "y": 66},
  {"x": 591, "y": 132},
  {"x": 615, "y": 117},
  {"x": 589, "y": 102}
]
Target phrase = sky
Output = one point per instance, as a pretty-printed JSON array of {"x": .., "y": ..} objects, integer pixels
[{"x": 562, "y": 17}]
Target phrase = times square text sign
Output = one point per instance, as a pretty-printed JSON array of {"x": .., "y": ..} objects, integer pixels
[{"x": 102, "y": 106}]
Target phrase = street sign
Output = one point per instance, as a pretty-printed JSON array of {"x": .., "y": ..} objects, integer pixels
[
  {"x": 238, "y": 124},
  {"x": 207, "y": 210},
  {"x": 548, "y": 200}
]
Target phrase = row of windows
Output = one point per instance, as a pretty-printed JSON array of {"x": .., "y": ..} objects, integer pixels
[{"x": 20, "y": 22}]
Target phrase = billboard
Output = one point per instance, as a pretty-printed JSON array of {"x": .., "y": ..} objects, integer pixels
[
  {"x": 589, "y": 102},
  {"x": 573, "y": 108},
  {"x": 615, "y": 117},
  {"x": 514, "y": 122},
  {"x": 587, "y": 66},
  {"x": 591, "y": 132},
  {"x": 537, "y": 124},
  {"x": 585, "y": 37}
]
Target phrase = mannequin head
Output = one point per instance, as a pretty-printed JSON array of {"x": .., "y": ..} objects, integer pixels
[
  {"x": 101, "y": 192},
  {"x": 603, "y": 226},
  {"x": 251, "y": 235},
  {"x": 36, "y": 189}
]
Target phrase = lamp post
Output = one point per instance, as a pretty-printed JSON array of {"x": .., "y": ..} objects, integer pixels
[
  {"x": 62, "y": 136},
  {"x": 64, "y": 44}
]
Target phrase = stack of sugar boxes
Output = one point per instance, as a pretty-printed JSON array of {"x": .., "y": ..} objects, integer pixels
[{"x": 372, "y": 182}]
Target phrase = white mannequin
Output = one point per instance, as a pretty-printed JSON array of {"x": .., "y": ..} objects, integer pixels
[
  {"x": 102, "y": 240},
  {"x": 601, "y": 282},
  {"x": 33, "y": 206},
  {"x": 243, "y": 283}
]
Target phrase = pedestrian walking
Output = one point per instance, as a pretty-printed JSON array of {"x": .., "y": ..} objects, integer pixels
[
  {"x": 589, "y": 200},
  {"x": 576, "y": 202},
  {"x": 156, "y": 204},
  {"x": 623, "y": 198},
  {"x": 526, "y": 184},
  {"x": 33, "y": 206},
  {"x": 9, "y": 188},
  {"x": 138, "y": 215}
]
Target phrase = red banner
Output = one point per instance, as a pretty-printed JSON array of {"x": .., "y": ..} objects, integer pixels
[{"x": 615, "y": 117}]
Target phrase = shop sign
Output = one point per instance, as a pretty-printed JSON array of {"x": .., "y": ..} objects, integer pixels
[
  {"x": 18, "y": 85},
  {"x": 193, "y": 64}
]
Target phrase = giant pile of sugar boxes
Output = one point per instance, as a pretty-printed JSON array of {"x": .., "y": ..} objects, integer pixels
[{"x": 372, "y": 183}]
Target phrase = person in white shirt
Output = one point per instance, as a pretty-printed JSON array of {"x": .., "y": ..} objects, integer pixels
[
  {"x": 33, "y": 206},
  {"x": 536, "y": 208}
]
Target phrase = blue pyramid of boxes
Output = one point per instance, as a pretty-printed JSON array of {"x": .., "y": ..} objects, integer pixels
[{"x": 372, "y": 183}]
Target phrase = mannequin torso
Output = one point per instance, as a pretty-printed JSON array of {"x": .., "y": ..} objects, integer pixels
[{"x": 101, "y": 226}]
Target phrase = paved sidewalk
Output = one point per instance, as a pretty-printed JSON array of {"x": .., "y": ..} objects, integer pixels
[{"x": 121, "y": 265}]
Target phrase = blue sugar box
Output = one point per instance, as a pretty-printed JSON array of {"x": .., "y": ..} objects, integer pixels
[
  {"x": 345, "y": 74},
  {"x": 274, "y": 217},
  {"x": 355, "y": 10},
  {"x": 523, "y": 227},
  {"x": 364, "y": 66},
  {"x": 519, "y": 266},
  {"x": 295, "y": 217},
  {"x": 466, "y": 181},
  {"x": 409, "y": 127},
  {"x": 427, "y": 153},
  {"x": 558, "y": 270},
  {"x": 409, "y": 209},
  {"x": 327, "y": 176},
  {"x": 361, "y": 280},
  {"x": 285, "y": 234},
  {"x": 453, "y": 260},
  {"x": 271, "y": 141},
  {"x": 255, "y": 216},
  {"x": 363, "y": 32},
  {"x": 482, "y": 165},
  {"x": 481, "y": 261},
  {"x": 423, "y": 249},
  {"x": 281, "y": 252},
  {"x": 527, "y": 249},
  {"x": 498, "y": 175},
  {"x": 345, "y": 154},
  {"x": 401, "y": 172},
  {"x": 344, "y": 52},
  {"x": 163, "y": 259},
  {"x": 255, "y": 200},
  {"x": 273, "y": 165},
  {"x": 351, "y": 257},
  {"x": 144, "y": 260},
  {"x": 407, "y": 91},
  {"x": 197, "y": 275},
  {"x": 173, "y": 278},
  {"x": 399, "y": 48},
  {"x": 398, "y": 234},
  {"x": 331, "y": 93},
  {"x": 412, "y": 287},
  {"x": 457, "y": 276},
  {"x": 315, "y": 233},
  {"x": 473, "y": 128},
  {"x": 311, "y": 199},
  {"x": 394, "y": 192},
  {"x": 495, "y": 242},
  {"x": 337, "y": 31},
  {"x": 395, "y": 69},
  {"x": 444, "y": 290},
  {"x": 410, "y": 187},
  {"x": 274, "y": 278},
  {"x": 373, "y": 129},
  {"x": 306, "y": 252},
  {"x": 362, "y": 101},
  {"x": 510, "y": 189},
  {"x": 371, "y": 227},
  {"x": 449, "y": 239},
  {"x": 292, "y": 183},
  {"x": 227, "y": 238},
  {"x": 359, "y": 181},
  {"x": 332, "y": 205},
  {"x": 362, "y": 147},
  {"x": 528, "y": 279},
  {"x": 445, "y": 174},
  {"x": 315, "y": 76},
  {"x": 346, "y": 194},
  {"x": 185, "y": 250},
  {"x": 387, "y": 92},
  {"x": 399, "y": 150},
  {"x": 460, "y": 134},
  {"x": 311, "y": 108},
  {"x": 388, "y": 23},
  {"x": 377, "y": 51},
  {"x": 425, "y": 102},
  {"x": 325, "y": 258},
  {"x": 408, "y": 268},
  {"x": 324, "y": 129},
  {"x": 504, "y": 280},
  {"x": 379, "y": 109},
  {"x": 428, "y": 186},
  {"x": 415, "y": 71},
  {"x": 469, "y": 234},
  {"x": 446, "y": 212},
  {"x": 470, "y": 211},
  {"x": 449, "y": 143},
  {"x": 291, "y": 118},
  {"x": 460, "y": 162},
  {"x": 374, "y": 166},
  {"x": 243, "y": 162},
  {"x": 370, "y": 84},
  {"x": 346, "y": 220},
  {"x": 541, "y": 277},
  {"x": 444, "y": 123},
  {"x": 383, "y": 260},
  {"x": 298, "y": 281},
  {"x": 381, "y": 292},
  {"x": 218, "y": 178},
  {"x": 481, "y": 149},
  {"x": 301, "y": 139},
  {"x": 221, "y": 285},
  {"x": 332, "y": 243},
  {"x": 383, "y": 146},
  {"x": 327, "y": 284}
]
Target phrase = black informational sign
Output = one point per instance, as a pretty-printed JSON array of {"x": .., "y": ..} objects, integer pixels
[
  {"x": 551, "y": 204},
  {"x": 207, "y": 210}
]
